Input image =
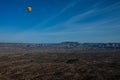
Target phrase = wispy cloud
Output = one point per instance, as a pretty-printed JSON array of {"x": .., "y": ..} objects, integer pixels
[
  {"x": 70, "y": 5},
  {"x": 98, "y": 27},
  {"x": 71, "y": 23},
  {"x": 31, "y": 30},
  {"x": 111, "y": 7}
]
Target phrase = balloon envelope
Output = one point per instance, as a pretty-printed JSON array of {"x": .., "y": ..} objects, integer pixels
[{"x": 29, "y": 9}]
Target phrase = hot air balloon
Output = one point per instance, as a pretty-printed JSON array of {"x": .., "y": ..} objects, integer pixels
[{"x": 29, "y": 9}]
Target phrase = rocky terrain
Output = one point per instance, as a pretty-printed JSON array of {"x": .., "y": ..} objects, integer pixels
[{"x": 60, "y": 61}]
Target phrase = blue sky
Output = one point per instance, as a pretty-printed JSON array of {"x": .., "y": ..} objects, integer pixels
[{"x": 60, "y": 20}]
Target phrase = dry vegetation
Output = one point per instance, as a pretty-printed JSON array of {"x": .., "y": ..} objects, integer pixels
[{"x": 59, "y": 64}]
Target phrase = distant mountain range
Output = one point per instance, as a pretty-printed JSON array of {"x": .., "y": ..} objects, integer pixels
[{"x": 63, "y": 45}]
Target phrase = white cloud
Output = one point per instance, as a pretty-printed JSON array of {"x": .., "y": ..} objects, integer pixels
[{"x": 70, "y": 26}]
